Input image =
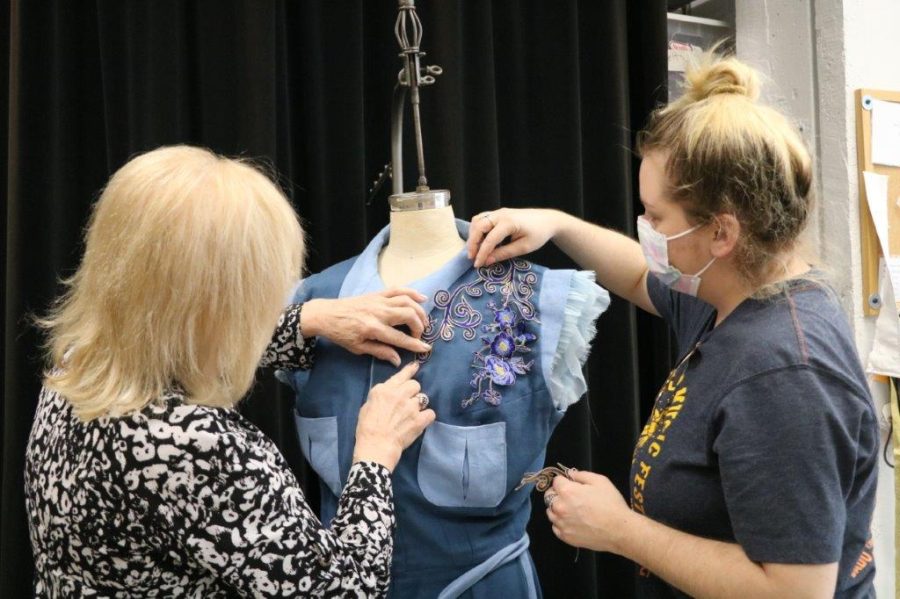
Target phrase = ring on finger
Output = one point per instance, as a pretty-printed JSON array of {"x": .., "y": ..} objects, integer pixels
[
  {"x": 487, "y": 215},
  {"x": 422, "y": 399},
  {"x": 549, "y": 498}
]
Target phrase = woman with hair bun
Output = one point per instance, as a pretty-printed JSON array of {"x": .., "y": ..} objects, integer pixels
[{"x": 755, "y": 474}]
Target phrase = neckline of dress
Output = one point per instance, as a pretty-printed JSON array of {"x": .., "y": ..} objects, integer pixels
[{"x": 363, "y": 277}]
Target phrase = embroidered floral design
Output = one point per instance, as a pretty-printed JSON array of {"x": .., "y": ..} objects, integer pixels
[{"x": 497, "y": 363}]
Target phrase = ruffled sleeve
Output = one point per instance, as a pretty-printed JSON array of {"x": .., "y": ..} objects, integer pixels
[{"x": 575, "y": 302}]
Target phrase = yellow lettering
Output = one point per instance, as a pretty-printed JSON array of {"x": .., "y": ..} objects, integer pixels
[
  {"x": 639, "y": 481},
  {"x": 654, "y": 449}
]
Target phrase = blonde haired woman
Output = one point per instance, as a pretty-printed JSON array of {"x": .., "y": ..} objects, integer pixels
[
  {"x": 141, "y": 479},
  {"x": 755, "y": 475}
]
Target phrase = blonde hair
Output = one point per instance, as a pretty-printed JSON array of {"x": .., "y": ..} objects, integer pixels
[
  {"x": 727, "y": 153},
  {"x": 188, "y": 259}
]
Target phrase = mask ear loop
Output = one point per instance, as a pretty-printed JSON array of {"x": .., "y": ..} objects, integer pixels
[
  {"x": 683, "y": 233},
  {"x": 710, "y": 263}
]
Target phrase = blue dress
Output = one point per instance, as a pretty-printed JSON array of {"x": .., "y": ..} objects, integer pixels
[{"x": 509, "y": 342}]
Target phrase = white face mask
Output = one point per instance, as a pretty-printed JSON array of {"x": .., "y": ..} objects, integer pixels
[{"x": 655, "y": 246}]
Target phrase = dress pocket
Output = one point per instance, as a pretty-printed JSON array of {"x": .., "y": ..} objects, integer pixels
[
  {"x": 319, "y": 442},
  {"x": 463, "y": 466}
]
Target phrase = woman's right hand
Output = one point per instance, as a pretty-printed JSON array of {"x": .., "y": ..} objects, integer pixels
[
  {"x": 528, "y": 230},
  {"x": 391, "y": 419},
  {"x": 366, "y": 324}
]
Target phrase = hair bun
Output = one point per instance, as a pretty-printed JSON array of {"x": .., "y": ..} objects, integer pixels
[{"x": 713, "y": 76}]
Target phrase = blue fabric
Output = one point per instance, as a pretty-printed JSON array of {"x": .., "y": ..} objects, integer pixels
[
  {"x": 527, "y": 568},
  {"x": 565, "y": 354},
  {"x": 319, "y": 443},
  {"x": 486, "y": 380},
  {"x": 554, "y": 291},
  {"x": 447, "y": 475},
  {"x": 514, "y": 552}
]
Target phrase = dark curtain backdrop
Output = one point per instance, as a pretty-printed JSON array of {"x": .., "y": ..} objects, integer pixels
[{"x": 537, "y": 107}]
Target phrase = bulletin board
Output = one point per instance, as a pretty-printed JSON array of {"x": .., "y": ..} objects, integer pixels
[{"x": 868, "y": 237}]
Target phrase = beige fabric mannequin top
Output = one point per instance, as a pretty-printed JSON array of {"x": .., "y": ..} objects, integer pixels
[{"x": 421, "y": 242}]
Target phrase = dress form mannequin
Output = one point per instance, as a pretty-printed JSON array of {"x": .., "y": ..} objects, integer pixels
[
  {"x": 509, "y": 343},
  {"x": 422, "y": 240}
]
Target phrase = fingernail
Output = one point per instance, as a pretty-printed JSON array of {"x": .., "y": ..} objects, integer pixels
[
  {"x": 396, "y": 362},
  {"x": 426, "y": 346}
]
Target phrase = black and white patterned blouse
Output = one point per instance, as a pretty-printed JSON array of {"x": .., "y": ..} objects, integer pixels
[{"x": 193, "y": 501}]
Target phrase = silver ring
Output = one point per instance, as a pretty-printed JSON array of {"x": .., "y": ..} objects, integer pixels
[
  {"x": 549, "y": 498},
  {"x": 423, "y": 400},
  {"x": 487, "y": 215}
]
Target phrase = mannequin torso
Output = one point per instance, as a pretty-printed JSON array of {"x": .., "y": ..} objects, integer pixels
[{"x": 421, "y": 242}]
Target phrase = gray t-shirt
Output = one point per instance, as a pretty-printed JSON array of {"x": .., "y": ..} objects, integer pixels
[{"x": 764, "y": 434}]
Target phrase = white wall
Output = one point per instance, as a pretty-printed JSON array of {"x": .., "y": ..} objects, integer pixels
[{"x": 816, "y": 53}]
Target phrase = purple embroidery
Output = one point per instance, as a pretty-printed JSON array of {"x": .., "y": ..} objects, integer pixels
[
  {"x": 503, "y": 345},
  {"x": 496, "y": 363}
]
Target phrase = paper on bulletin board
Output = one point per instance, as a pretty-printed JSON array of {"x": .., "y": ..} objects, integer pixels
[
  {"x": 892, "y": 266},
  {"x": 885, "y": 133},
  {"x": 877, "y": 200},
  {"x": 885, "y": 355}
]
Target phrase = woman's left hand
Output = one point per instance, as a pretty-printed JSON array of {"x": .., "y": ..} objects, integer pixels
[{"x": 588, "y": 511}]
